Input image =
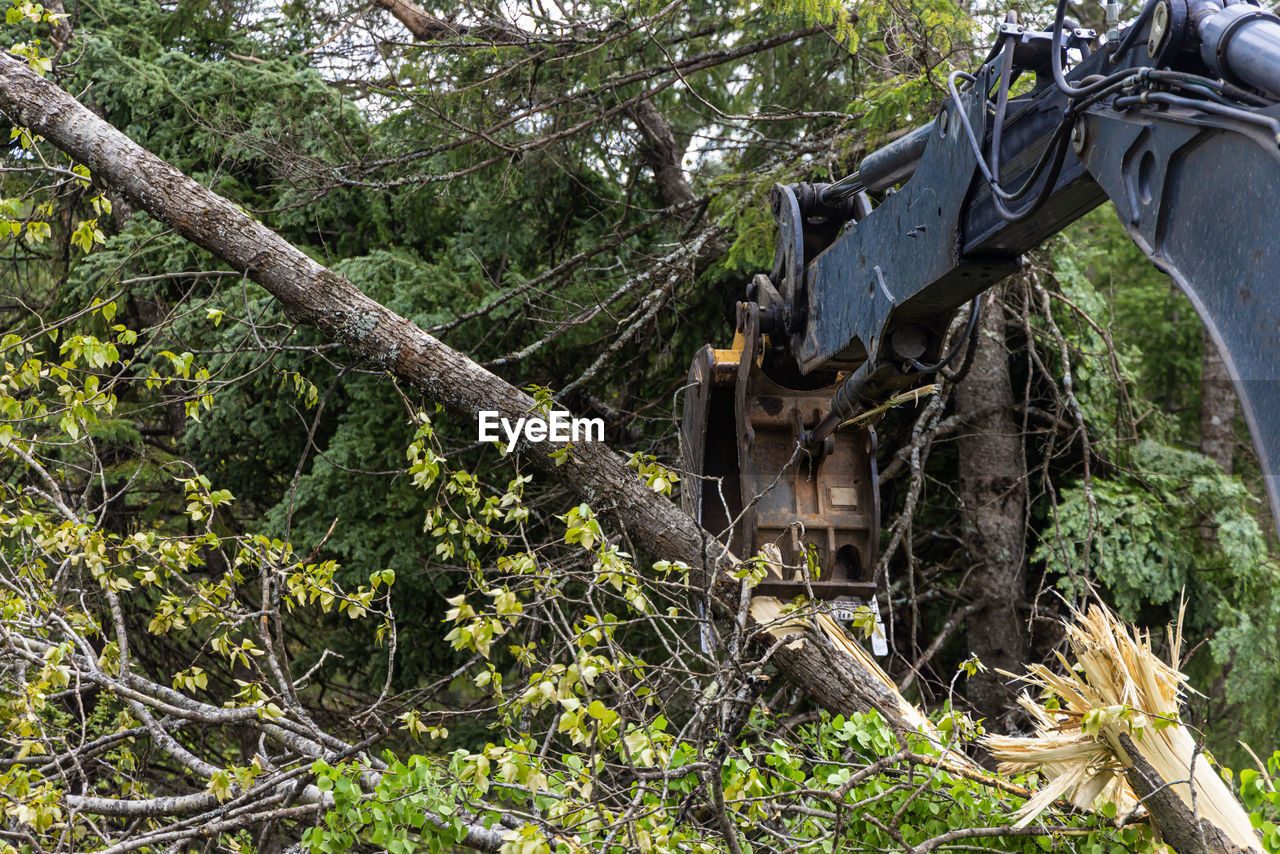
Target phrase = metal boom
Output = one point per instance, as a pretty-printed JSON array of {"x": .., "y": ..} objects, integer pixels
[{"x": 1175, "y": 121}]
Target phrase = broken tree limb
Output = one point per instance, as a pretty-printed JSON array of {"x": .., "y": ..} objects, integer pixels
[
  {"x": 1185, "y": 832},
  {"x": 823, "y": 665},
  {"x": 1115, "y": 736}
]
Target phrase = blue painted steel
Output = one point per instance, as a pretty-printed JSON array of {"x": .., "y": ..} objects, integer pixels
[{"x": 1196, "y": 184}]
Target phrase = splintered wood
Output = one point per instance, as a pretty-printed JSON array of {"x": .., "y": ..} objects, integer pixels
[
  {"x": 1116, "y": 700},
  {"x": 767, "y": 611},
  {"x": 1106, "y": 725}
]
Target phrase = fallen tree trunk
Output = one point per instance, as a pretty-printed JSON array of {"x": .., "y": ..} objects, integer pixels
[{"x": 823, "y": 666}]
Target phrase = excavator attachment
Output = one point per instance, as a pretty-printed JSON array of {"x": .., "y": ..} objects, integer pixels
[
  {"x": 1176, "y": 120},
  {"x": 750, "y": 480}
]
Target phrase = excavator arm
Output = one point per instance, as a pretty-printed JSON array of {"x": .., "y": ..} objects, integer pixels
[{"x": 1175, "y": 120}]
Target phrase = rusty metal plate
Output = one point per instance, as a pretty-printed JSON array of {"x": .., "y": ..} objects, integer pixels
[{"x": 748, "y": 482}]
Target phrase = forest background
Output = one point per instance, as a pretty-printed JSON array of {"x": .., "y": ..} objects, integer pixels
[{"x": 222, "y": 529}]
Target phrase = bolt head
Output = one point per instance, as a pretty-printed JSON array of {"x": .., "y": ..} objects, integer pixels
[{"x": 1079, "y": 136}]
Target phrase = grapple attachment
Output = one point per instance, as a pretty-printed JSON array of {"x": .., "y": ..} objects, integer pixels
[{"x": 750, "y": 481}]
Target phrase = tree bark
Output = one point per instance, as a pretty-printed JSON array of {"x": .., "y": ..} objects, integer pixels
[
  {"x": 664, "y": 156},
  {"x": 992, "y": 475},
  {"x": 1217, "y": 406},
  {"x": 1182, "y": 830},
  {"x": 416, "y": 20},
  {"x": 310, "y": 293},
  {"x": 427, "y": 27}
]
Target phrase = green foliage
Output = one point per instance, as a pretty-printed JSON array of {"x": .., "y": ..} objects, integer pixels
[
  {"x": 1152, "y": 327},
  {"x": 1258, "y": 794},
  {"x": 1146, "y": 544},
  {"x": 1161, "y": 523},
  {"x": 909, "y": 803}
]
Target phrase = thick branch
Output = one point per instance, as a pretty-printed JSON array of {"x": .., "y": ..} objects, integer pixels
[
  {"x": 1177, "y": 824},
  {"x": 416, "y": 20},
  {"x": 426, "y": 27},
  {"x": 663, "y": 155}
]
